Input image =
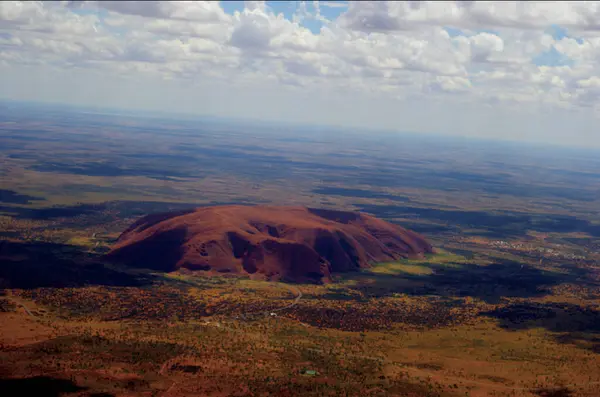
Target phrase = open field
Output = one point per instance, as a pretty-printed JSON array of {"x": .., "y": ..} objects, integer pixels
[
  {"x": 509, "y": 306},
  {"x": 389, "y": 330},
  {"x": 192, "y": 334}
]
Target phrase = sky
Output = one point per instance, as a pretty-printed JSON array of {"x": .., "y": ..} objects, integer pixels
[{"x": 524, "y": 71}]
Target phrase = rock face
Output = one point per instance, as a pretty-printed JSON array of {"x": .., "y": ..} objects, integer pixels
[{"x": 275, "y": 243}]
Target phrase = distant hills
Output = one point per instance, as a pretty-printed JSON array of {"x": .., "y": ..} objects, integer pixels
[{"x": 295, "y": 244}]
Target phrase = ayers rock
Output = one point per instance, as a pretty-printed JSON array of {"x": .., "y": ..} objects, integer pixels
[{"x": 268, "y": 242}]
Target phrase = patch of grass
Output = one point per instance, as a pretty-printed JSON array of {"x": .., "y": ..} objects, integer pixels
[
  {"x": 399, "y": 268},
  {"x": 81, "y": 241},
  {"x": 419, "y": 266}
]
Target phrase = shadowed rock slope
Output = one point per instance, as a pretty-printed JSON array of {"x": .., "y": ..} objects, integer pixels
[{"x": 274, "y": 243}]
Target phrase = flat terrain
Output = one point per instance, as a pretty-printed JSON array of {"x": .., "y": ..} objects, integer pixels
[{"x": 510, "y": 305}]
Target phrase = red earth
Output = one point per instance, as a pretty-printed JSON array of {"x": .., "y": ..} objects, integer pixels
[{"x": 274, "y": 243}]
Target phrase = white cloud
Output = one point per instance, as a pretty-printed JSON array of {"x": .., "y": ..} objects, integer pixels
[
  {"x": 333, "y": 4},
  {"x": 45, "y": 18},
  {"x": 450, "y": 84},
  {"x": 16, "y": 12},
  {"x": 254, "y": 29},
  {"x": 456, "y": 55},
  {"x": 484, "y": 45},
  {"x": 199, "y": 11},
  {"x": 592, "y": 82},
  {"x": 395, "y": 15}
]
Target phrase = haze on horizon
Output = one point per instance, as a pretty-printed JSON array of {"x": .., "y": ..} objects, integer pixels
[{"x": 525, "y": 71}]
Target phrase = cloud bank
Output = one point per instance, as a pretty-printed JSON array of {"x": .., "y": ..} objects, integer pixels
[{"x": 503, "y": 69}]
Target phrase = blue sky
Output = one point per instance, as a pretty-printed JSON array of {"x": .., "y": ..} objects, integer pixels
[{"x": 288, "y": 9}]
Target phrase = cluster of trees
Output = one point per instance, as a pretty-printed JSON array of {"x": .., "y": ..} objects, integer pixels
[
  {"x": 155, "y": 303},
  {"x": 7, "y": 306},
  {"x": 377, "y": 314}
]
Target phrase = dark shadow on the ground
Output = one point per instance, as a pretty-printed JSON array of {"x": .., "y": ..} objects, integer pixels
[
  {"x": 49, "y": 213},
  {"x": 489, "y": 283},
  {"x": 572, "y": 323},
  {"x": 119, "y": 209},
  {"x": 558, "y": 392},
  {"x": 39, "y": 264},
  {"x": 12, "y": 197},
  {"x": 91, "y": 214},
  {"x": 358, "y": 193},
  {"x": 583, "y": 273},
  {"x": 112, "y": 169},
  {"x": 39, "y": 386},
  {"x": 500, "y": 225}
]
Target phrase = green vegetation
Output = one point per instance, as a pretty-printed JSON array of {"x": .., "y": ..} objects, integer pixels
[{"x": 419, "y": 266}]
